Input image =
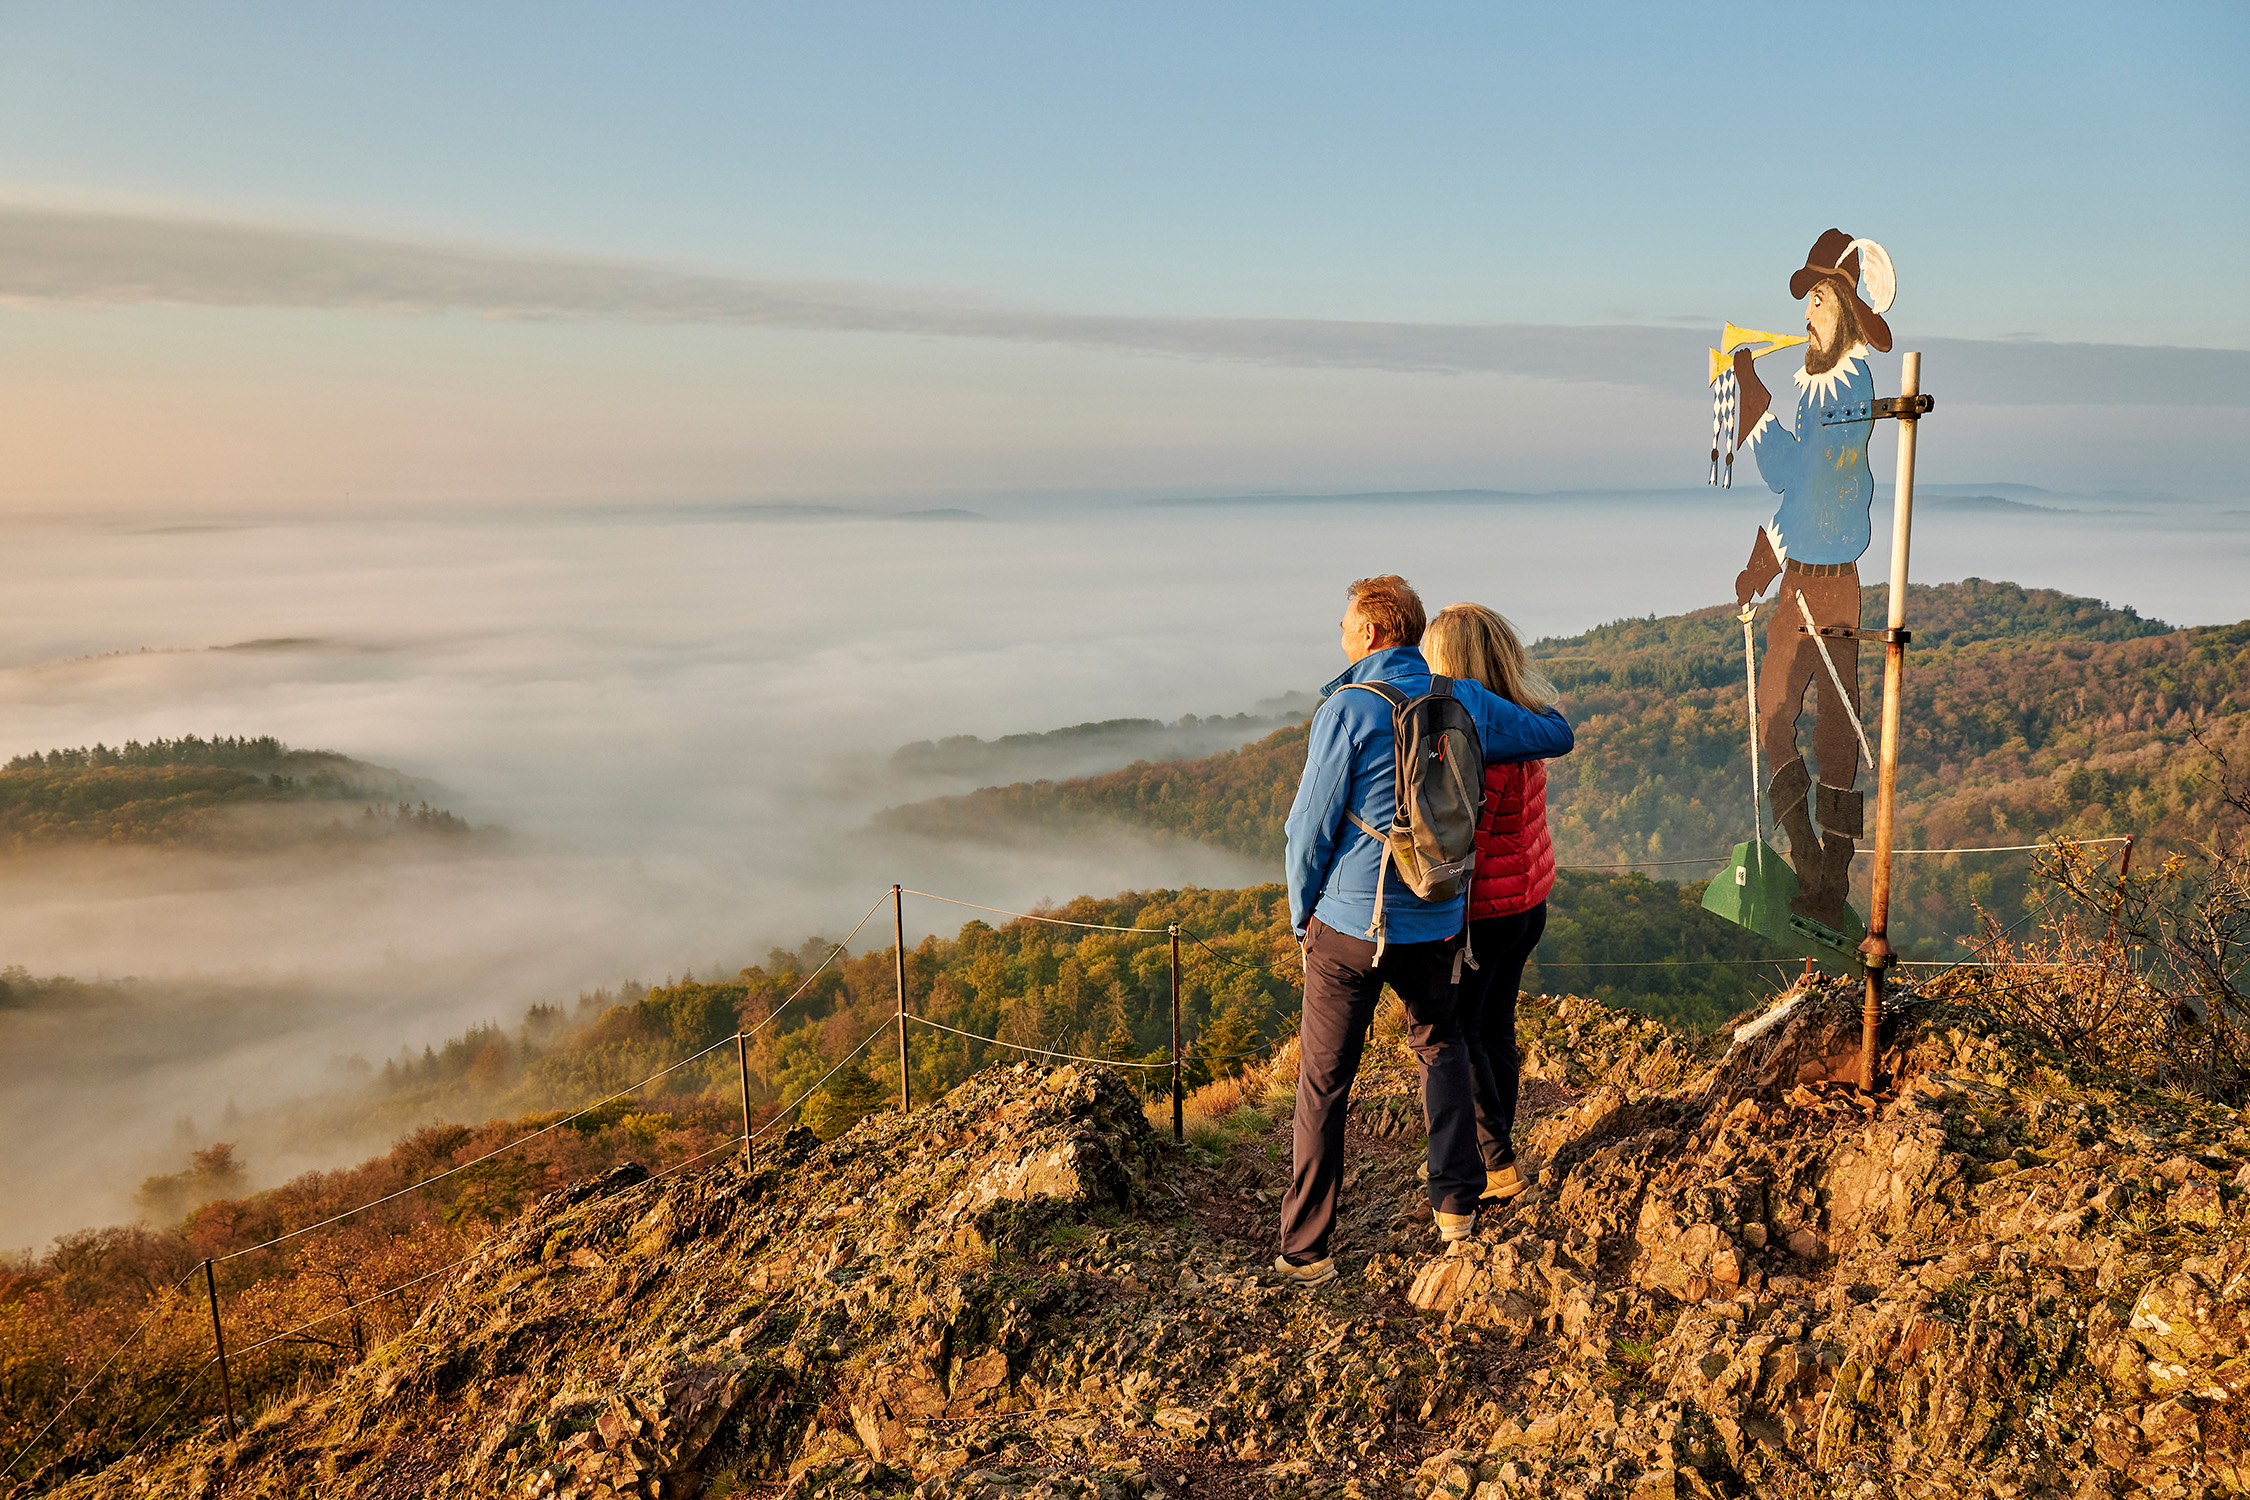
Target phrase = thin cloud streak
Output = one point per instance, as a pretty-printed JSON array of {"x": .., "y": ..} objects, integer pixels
[{"x": 59, "y": 256}]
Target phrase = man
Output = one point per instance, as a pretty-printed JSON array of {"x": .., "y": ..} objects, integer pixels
[
  {"x": 1813, "y": 544},
  {"x": 1333, "y": 869}
]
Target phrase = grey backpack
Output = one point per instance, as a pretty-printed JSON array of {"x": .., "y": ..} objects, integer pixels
[{"x": 1432, "y": 840}]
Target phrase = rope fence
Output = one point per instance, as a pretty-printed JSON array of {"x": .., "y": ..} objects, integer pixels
[
  {"x": 186, "y": 1386},
  {"x": 743, "y": 1141},
  {"x": 1105, "y": 1062},
  {"x": 1035, "y": 917},
  {"x": 578, "y": 1114},
  {"x": 1642, "y": 864},
  {"x": 95, "y": 1379},
  {"x": 1228, "y": 958},
  {"x": 1720, "y": 859}
]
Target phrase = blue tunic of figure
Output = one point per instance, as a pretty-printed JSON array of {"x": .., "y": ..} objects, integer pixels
[{"x": 1820, "y": 470}]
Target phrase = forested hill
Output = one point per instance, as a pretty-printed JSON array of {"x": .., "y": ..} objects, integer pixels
[
  {"x": 1088, "y": 749},
  {"x": 227, "y": 792},
  {"x": 2028, "y": 712}
]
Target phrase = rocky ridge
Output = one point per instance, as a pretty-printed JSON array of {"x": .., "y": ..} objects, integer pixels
[{"x": 1732, "y": 1277}]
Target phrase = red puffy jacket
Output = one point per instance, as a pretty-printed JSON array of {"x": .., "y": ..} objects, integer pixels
[{"x": 1515, "y": 855}]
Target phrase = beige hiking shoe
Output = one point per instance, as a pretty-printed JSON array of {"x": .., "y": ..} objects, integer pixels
[
  {"x": 1320, "y": 1271},
  {"x": 1451, "y": 1227},
  {"x": 1500, "y": 1183},
  {"x": 1503, "y": 1183}
]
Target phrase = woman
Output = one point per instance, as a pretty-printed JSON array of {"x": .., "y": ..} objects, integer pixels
[{"x": 1515, "y": 870}]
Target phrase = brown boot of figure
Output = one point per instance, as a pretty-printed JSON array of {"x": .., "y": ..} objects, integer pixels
[
  {"x": 1826, "y": 897},
  {"x": 1790, "y": 786}
]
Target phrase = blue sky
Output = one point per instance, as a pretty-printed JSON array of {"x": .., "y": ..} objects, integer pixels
[{"x": 2068, "y": 173}]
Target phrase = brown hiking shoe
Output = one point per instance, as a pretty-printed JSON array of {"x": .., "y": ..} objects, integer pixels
[
  {"x": 1320, "y": 1271},
  {"x": 1452, "y": 1227}
]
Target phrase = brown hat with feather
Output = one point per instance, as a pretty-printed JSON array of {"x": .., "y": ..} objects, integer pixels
[{"x": 1836, "y": 257}]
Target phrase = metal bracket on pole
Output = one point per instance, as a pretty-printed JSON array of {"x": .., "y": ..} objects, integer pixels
[
  {"x": 1854, "y": 633},
  {"x": 1905, "y": 408}
]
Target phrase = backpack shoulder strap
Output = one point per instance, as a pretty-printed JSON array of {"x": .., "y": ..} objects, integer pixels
[
  {"x": 1382, "y": 690},
  {"x": 1440, "y": 687},
  {"x": 1397, "y": 701}
]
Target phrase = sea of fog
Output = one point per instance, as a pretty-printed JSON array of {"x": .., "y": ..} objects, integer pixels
[{"x": 685, "y": 715}]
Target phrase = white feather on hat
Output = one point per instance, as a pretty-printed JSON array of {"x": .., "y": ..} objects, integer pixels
[{"x": 1876, "y": 270}]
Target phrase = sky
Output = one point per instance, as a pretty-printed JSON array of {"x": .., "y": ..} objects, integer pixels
[{"x": 314, "y": 259}]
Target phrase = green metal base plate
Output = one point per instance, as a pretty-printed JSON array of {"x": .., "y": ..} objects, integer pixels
[{"x": 1755, "y": 890}]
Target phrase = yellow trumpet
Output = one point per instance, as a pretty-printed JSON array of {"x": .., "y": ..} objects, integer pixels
[{"x": 1733, "y": 338}]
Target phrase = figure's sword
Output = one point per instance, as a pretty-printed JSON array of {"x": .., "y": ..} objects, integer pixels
[
  {"x": 1812, "y": 628},
  {"x": 1750, "y": 669}
]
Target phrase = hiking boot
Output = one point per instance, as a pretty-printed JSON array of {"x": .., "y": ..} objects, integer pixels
[
  {"x": 1320, "y": 1271},
  {"x": 1503, "y": 1183},
  {"x": 1500, "y": 1183},
  {"x": 1452, "y": 1227}
]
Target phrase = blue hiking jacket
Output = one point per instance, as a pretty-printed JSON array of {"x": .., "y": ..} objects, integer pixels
[{"x": 1349, "y": 766}]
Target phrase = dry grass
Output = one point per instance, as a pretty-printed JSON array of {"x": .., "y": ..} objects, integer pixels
[{"x": 1217, "y": 1115}]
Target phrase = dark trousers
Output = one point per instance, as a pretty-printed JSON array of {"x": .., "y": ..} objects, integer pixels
[
  {"x": 1501, "y": 946},
  {"x": 1342, "y": 985}
]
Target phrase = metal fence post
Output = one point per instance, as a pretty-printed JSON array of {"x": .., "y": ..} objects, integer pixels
[
  {"x": 219, "y": 1337},
  {"x": 742, "y": 1062},
  {"x": 1179, "y": 1104},
  {"x": 359, "y": 1329},
  {"x": 898, "y": 934}
]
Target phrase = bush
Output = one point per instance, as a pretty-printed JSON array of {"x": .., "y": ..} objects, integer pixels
[
  {"x": 850, "y": 1097},
  {"x": 2142, "y": 973}
]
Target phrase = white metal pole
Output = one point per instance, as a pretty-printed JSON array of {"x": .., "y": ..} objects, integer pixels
[
  {"x": 1877, "y": 948},
  {"x": 1902, "y": 504}
]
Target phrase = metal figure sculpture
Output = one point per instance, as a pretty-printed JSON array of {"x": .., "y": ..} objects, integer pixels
[{"x": 1818, "y": 465}]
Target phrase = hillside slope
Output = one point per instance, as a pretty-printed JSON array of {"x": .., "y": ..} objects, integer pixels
[
  {"x": 2007, "y": 1278},
  {"x": 2028, "y": 713}
]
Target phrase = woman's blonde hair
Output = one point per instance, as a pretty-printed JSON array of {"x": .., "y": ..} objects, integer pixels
[{"x": 1471, "y": 642}]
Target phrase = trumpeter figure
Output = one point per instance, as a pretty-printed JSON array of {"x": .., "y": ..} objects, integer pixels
[{"x": 1818, "y": 465}]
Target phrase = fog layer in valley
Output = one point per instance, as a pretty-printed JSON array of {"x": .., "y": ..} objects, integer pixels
[{"x": 687, "y": 720}]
